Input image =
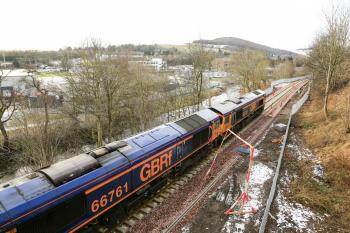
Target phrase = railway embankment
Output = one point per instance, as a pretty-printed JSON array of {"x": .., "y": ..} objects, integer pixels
[{"x": 321, "y": 180}]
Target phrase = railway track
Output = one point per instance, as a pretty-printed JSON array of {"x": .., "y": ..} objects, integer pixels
[
  {"x": 274, "y": 105},
  {"x": 261, "y": 121}
]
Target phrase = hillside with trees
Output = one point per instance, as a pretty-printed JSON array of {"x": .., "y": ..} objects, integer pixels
[
  {"x": 324, "y": 124},
  {"x": 236, "y": 44}
]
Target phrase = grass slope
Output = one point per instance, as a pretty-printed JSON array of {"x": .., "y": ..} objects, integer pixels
[{"x": 331, "y": 144}]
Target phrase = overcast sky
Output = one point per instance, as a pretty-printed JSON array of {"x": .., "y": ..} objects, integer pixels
[{"x": 53, "y": 24}]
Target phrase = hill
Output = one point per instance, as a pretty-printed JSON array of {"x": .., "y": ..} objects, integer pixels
[{"x": 235, "y": 44}]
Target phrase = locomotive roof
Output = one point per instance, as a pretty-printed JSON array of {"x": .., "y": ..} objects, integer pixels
[
  {"x": 247, "y": 98},
  {"x": 207, "y": 115},
  {"x": 17, "y": 198},
  {"x": 18, "y": 193},
  {"x": 224, "y": 107},
  {"x": 193, "y": 122},
  {"x": 146, "y": 142},
  {"x": 230, "y": 105}
]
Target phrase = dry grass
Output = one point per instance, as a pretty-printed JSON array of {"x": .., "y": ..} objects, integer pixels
[{"x": 331, "y": 143}]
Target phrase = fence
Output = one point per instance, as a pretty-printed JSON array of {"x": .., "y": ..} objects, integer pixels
[{"x": 295, "y": 108}]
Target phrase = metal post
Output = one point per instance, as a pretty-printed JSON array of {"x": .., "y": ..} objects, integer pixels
[{"x": 243, "y": 198}]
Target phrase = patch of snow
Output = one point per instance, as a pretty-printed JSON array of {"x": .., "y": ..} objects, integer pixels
[
  {"x": 305, "y": 154},
  {"x": 256, "y": 153},
  {"x": 229, "y": 197},
  {"x": 227, "y": 227},
  {"x": 220, "y": 196},
  {"x": 23, "y": 171},
  {"x": 293, "y": 215},
  {"x": 186, "y": 229},
  {"x": 259, "y": 175}
]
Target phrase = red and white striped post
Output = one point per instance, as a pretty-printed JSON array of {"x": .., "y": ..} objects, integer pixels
[{"x": 243, "y": 198}]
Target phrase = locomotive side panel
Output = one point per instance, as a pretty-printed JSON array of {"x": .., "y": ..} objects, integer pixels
[
  {"x": 107, "y": 194},
  {"x": 152, "y": 167}
]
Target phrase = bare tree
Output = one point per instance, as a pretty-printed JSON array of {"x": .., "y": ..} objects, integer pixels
[
  {"x": 251, "y": 66},
  {"x": 329, "y": 50},
  {"x": 7, "y": 109},
  {"x": 114, "y": 85},
  {"x": 85, "y": 86},
  {"x": 284, "y": 70},
  {"x": 96, "y": 89},
  {"x": 66, "y": 60},
  {"x": 35, "y": 149},
  {"x": 143, "y": 101},
  {"x": 42, "y": 93},
  {"x": 201, "y": 61},
  {"x": 45, "y": 142}
]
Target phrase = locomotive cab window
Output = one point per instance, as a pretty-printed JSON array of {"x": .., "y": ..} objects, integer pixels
[
  {"x": 227, "y": 119},
  {"x": 233, "y": 118},
  {"x": 179, "y": 150},
  {"x": 261, "y": 102},
  {"x": 216, "y": 124},
  {"x": 239, "y": 115}
]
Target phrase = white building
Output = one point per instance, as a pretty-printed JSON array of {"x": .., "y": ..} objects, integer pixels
[
  {"x": 14, "y": 80},
  {"x": 157, "y": 63},
  {"x": 215, "y": 74}
]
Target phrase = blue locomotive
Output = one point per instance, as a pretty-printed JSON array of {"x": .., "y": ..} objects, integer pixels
[{"x": 70, "y": 194}]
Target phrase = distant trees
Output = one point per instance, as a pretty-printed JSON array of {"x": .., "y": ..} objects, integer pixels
[
  {"x": 284, "y": 70},
  {"x": 110, "y": 94},
  {"x": 251, "y": 66},
  {"x": 66, "y": 60},
  {"x": 106, "y": 97},
  {"x": 329, "y": 52}
]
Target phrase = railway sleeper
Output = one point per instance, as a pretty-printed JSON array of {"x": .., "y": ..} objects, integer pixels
[
  {"x": 146, "y": 210},
  {"x": 138, "y": 216},
  {"x": 122, "y": 229},
  {"x": 130, "y": 222},
  {"x": 159, "y": 199},
  {"x": 164, "y": 195},
  {"x": 170, "y": 190},
  {"x": 152, "y": 204}
]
